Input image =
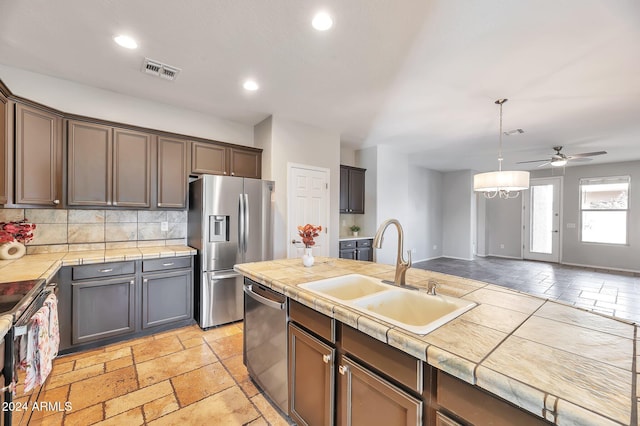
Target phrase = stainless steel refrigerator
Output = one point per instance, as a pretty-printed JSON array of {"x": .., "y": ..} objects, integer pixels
[{"x": 230, "y": 221}]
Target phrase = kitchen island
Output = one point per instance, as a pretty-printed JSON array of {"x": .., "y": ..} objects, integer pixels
[{"x": 557, "y": 362}]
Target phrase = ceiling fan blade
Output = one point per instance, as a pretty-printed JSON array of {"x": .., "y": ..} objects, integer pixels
[
  {"x": 587, "y": 154},
  {"x": 580, "y": 159},
  {"x": 544, "y": 164},
  {"x": 532, "y": 161}
]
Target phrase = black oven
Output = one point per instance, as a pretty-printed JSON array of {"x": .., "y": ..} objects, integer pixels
[{"x": 21, "y": 300}]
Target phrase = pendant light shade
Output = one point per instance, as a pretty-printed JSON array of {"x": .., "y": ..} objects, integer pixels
[{"x": 505, "y": 184}]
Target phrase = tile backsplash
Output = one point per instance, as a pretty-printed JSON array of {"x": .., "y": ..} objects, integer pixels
[{"x": 70, "y": 230}]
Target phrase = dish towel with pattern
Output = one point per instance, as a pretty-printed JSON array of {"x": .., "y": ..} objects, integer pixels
[{"x": 43, "y": 338}]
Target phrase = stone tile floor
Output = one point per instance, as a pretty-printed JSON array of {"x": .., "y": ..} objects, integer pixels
[
  {"x": 182, "y": 377},
  {"x": 608, "y": 292}
]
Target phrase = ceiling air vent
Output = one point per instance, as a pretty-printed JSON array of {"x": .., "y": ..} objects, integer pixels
[{"x": 159, "y": 69}]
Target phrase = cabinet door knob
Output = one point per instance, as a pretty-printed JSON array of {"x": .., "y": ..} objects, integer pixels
[
  {"x": 56, "y": 202},
  {"x": 326, "y": 358},
  {"x": 343, "y": 369},
  {"x": 132, "y": 282},
  {"x": 145, "y": 280}
]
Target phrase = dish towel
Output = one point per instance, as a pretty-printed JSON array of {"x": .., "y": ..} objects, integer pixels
[
  {"x": 54, "y": 330},
  {"x": 40, "y": 348}
]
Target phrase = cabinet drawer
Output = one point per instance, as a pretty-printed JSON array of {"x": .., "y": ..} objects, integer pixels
[
  {"x": 363, "y": 243},
  {"x": 349, "y": 244},
  {"x": 478, "y": 407},
  {"x": 313, "y": 321},
  {"x": 166, "y": 263},
  {"x": 392, "y": 362},
  {"x": 102, "y": 270}
]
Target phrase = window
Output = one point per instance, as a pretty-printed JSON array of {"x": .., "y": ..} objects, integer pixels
[{"x": 604, "y": 204}]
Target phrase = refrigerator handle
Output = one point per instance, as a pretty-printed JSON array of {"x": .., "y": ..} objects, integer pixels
[
  {"x": 241, "y": 222},
  {"x": 246, "y": 224}
]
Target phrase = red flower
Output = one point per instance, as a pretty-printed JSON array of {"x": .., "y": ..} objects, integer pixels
[
  {"x": 308, "y": 232},
  {"x": 20, "y": 231}
]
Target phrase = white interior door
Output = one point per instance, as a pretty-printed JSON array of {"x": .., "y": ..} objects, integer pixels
[
  {"x": 308, "y": 201},
  {"x": 542, "y": 219}
]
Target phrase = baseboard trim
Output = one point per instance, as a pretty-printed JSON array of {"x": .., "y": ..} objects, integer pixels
[
  {"x": 504, "y": 257},
  {"x": 602, "y": 268},
  {"x": 457, "y": 258}
]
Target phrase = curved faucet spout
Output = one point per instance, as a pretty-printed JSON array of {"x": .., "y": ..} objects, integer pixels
[{"x": 401, "y": 264}]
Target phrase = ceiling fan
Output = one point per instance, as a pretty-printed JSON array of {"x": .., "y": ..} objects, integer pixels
[{"x": 560, "y": 159}]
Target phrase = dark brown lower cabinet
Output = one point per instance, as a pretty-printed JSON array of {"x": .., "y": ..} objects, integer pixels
[
  {"x": 367, "y": 399},
  {"x": 311, "y": 379},
  {"x": 472, "y": 406}
]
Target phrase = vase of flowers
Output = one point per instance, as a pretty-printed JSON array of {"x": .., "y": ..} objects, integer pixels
[
  {"x": 308, "y": 232},
  {"x": 13, "y": 236}
]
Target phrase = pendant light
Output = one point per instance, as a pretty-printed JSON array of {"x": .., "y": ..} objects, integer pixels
[{"x": 504, "y": 184}]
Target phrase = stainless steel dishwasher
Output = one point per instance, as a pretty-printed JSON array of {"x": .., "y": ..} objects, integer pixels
[{"x": 265, "y": 341}]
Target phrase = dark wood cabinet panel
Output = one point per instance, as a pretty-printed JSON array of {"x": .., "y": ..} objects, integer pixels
[
  {"x": 356, "y": 249},
  {"x": 89, "y": 167},
  {"x": 214, "y": 159},
  {"x": 208, "y": 158},
  {"x": 38, "y": 156},
  {"x": 102, "y": 309},
  {"x": 131, "y": 168},
  {"x": 352, "y": 189},
  {"x": 166, "y": 298},
  {"x": 108, "y": 166},
  {"x": 311, "y": 379},
  {"x": 173, "y": 176},
  {"x": 4, "y": 151},
  {"x": 245, "y": 163},
  {"x": 366, "y": 399},
  {"x": 476, "y": 407}
]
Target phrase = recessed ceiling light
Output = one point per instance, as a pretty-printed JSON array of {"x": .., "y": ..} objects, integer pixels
[
  {"x": 126, "y": 41},
  {"x": 251, "y": 85},
  {"x": 322, "y": 21}
]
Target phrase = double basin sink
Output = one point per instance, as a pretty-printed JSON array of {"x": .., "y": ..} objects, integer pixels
[{"x": 409, "y": 309}]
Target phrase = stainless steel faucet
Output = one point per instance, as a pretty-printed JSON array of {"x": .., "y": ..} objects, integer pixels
[{"x": 401, "y": 264}]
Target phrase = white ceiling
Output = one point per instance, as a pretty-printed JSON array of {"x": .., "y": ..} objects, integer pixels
[{"x": 419, "y": 75}]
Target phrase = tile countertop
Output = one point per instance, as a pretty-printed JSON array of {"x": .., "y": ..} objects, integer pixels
[
  {"x": 33, "y": 266},
  {"x": 558, "y": 362}
]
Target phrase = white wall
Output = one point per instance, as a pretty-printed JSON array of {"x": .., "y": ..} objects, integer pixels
[
  {"x": 458, "y": 214},
  {"x": 75, "y": 98},
  {"x": 292, "y": 142},
  {"x": 425, "y": 202},
  {"x": 623, "y": 257},
  {"x": 504, "y": 226}
]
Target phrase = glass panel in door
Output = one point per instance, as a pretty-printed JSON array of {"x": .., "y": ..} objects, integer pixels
[
  {"x": 541, "y": 228},
  {"x": 542, "y": 220}
]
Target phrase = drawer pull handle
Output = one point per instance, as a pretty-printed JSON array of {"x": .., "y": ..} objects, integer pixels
[
  {"x": 168, "y": 264},
  {"x": 326, "y": 358},
  {"x": 105, "y": 270},
  {"x": 343, "y": 369}
]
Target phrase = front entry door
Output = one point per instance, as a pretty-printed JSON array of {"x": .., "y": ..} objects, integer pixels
[
  {"x": 542, "y": 219},
  {"x": 308, "y": 203}
]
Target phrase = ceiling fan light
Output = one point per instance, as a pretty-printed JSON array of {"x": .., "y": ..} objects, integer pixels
[{"x": 558, "y": 163}]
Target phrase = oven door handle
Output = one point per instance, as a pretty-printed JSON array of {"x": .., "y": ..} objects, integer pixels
[{"x": 21, "y": 325}]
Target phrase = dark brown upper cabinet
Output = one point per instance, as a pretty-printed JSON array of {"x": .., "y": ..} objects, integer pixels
[
  {"x": 4, "y": 151},
  {"x": 38, "y": 156},
  {"x": 173, "y": 174},
  {"x": 214, "y": 159},
  {"x": 245, "y": 163},
  {"x": 351, "y": 189},
  {"x": 108, "y": 166}
]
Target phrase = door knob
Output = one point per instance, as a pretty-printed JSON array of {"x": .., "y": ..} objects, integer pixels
[
  {"x": 555, "y": 230},
  {"x": 295, "y": 242},
  {"x": 343, "y": 369},
  {"x": 326, "y": 358}
]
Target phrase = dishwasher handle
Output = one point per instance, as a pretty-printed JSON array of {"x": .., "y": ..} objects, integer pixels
[{"x": 248, "y": 290}]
